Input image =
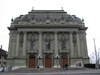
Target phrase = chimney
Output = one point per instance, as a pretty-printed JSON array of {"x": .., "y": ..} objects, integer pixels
[{"x": 1, "y": 46}]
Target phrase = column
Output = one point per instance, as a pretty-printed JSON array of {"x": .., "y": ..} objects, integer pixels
[
  {"x": 10, "y": 44},
  {"x": 40, "y": 43},
  {"x": 40, "y": 50},
  {"x": 56, "y": 50},
  {"x": 24, "y": 45},
  {"x": 56, "y": 43},
  {"x": 85, "y": 45},
  {"x": 78, "y": 44},
  {"x": 71, "y": 44},
  {"x": 17, "y": 45}
]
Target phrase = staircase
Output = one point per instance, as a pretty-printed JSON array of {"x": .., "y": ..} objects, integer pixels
[
  {"x": 35, "y": 70},
  {"x": 42, "y": 70}
]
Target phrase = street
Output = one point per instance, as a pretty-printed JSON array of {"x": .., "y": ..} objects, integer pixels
[
  {"x": 49, "y": 74},
  {"x": 67, "y": 72}
]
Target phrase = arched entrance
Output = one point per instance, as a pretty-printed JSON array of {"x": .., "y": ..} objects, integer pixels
[
  {"x": 64, "y": 60},
  {"x": 48, "y": 61},
  {"x": 31, "y": 61}
]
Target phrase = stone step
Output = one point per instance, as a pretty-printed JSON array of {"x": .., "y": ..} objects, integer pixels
[{"x": 42, "y": 70}]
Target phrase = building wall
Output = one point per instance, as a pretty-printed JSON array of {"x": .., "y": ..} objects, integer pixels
[
  {"x": 19, "y": 52},
  {"x": 50, "y": 38}
]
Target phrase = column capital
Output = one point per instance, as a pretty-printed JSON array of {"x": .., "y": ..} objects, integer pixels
[
  {"x": 18, "y": 32},
  {"x": 55, "y": 32},
  {"x": 10, "y": 33},
  {"x": 85, "y": 33},
  {"x": 77, "y": 32},
  {"x": 70, "y": 32},
  {"x": 40, "y": 32},
  {"x": 24, "y": 32}
]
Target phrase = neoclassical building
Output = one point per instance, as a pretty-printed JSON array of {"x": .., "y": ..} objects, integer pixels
[{"x": 49, "y": 38}]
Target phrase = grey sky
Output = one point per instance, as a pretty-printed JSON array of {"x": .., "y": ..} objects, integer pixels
[{"x": 87, "y": 9}]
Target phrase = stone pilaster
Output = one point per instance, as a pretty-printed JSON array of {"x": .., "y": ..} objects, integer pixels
[
  {"x": 71, "y": 44},
  {"x": 24, "y": 44},
  {"x": 56, "y": 49},
  {"x": 17, "y": 45},
  {"x": 85, "y": 45},
  {"x": 40, "y": 43},
  {"x": 40, "y": 61},
  {"x": 10, "y": 44},
  {"x": 78, "y": 44},
  {"x": 56, "y": 43}
]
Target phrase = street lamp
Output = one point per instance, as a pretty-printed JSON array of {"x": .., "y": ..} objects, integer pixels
[
  {"x": 39, "y": 57},
  {"x": 57, "y": 57}
]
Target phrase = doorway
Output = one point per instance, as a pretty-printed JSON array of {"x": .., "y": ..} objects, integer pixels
[
  {"x": 64, "y": 60},
  {"x": 48, "y": 61},
  {"x": 31, "y": 61}
]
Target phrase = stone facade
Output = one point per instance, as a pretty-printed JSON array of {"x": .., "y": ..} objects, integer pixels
[{"x": 49, "y": 38}]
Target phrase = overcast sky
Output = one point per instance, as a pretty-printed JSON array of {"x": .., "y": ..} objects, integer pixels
[{"x": 87, "y": 9}]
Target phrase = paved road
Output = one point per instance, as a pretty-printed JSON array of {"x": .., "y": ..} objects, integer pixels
[
  {"x": 49, "y": 74},
  {"x": 67, "y": 72}
]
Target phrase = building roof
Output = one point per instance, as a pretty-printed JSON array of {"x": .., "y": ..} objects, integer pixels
[
  {"x": 47, "y": 15},
  {"x": 3, "y": 53}
]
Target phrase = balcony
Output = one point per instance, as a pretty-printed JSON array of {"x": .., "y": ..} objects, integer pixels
[
  {"x": 48, "y": 51},
  {"x": 64, "y": 51},
  {"x": 32, "y": 51}
]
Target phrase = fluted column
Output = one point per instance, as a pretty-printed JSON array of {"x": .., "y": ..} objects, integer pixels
[
  {"x": 78, "y": 44},
  {"x": 24, "y": 45},
  {"x": 40, "y": 43},
  {"x": 17, "y": 45},
  {"x": 56, "y": 43},
  {"x": 71, "y": 44}
]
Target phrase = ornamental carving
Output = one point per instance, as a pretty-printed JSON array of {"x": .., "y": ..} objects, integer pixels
[
  {"x": 33, "y": 18},
  {"x": 47, "y": 17},
  {"x": 32, "y": 38},
  {"x": 48, "y": 38},
  {"x": 48, "y": 42},
  {"x": 63, "y": 40}
]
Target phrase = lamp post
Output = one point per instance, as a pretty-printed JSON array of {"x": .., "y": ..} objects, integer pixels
[
  {"x": 57, "y": 60},
  {"x": 39, "y": 57}
]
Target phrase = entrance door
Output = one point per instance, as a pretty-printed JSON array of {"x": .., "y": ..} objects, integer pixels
[
  {"x": 48, "y": 61},
  {"x": 64, "y": 60},
  {"x": 31, "y": 62}
]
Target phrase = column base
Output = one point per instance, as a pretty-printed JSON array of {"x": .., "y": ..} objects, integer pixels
[{"x": 55, "y": 66}]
